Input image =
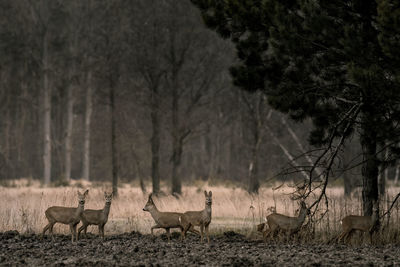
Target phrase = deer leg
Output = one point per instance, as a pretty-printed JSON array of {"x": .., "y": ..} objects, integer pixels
[
  {"x": 287, "y": 236},
  {"x": 191, "y": 229},
  {"x": 168, "y": 234},
  {"x": 182, "y": 237},
  {"x": 266, "y": 234},
  {"x": 208, "y": 237},
  {"x": 348, "y": 236},
  {"x": 45, "y": 229},
  {"x": 201, "y": 232},
  {"x": 102, "y": 231},
  {"x": 341, "y": 236},
  {"x": 71, "y": 228},
  {"x": 277, "y": 234},
  {"x": 51, "y": 230},
  {"x": 154, "y": 227},
  {"x": 83, "y": 227},
  {"x": 75, "y": 232}
]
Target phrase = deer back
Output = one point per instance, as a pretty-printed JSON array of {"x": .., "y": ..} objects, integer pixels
[
  {"x": 162, "y": 219},
  {"x": 168, "y": 219},
  {"x": 94, "y": 216},
  {"x": 67, "y": 215},
  {"x": 363, "y": 223},
  {"x": 64, "y": 215},
  {"x": 284, "y": 222},
  {"x": 197, "y": 217}
]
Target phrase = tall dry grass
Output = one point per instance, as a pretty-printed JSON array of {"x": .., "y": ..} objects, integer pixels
[{"x": 233, "y": 208}]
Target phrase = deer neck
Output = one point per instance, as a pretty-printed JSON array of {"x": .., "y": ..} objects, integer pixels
[
  {"x": 154, "y": 213},
  {"x": 80, "y": 209},
  {"x": 207, "y": 209},
  {"x": 106, "y": 209},
  {"x": 302, "y": 215}
]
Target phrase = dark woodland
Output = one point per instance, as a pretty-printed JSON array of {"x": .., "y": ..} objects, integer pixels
[
  {"x": 149, "y": 91},
  {"x": 280, "y": 119}
]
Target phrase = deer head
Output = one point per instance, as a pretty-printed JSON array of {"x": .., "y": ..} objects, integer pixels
[
  {"x": 208, "y": 198},
  {"x": 82, "y": 197},
  {"x": 150, "y": 204},
  {"x": 108, "y": 198}
]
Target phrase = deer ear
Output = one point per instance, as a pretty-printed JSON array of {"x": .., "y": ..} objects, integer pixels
[
  {"x": 150, "y": 195},
  {"x": 86, "y": 192},
  {"x": 210, "y": 194},
  {"x": 205, "y": 193}
]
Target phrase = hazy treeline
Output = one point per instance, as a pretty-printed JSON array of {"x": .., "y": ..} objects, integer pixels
[{"x": 130, "y": 89}]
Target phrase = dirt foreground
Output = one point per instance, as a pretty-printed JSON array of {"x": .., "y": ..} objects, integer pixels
[{"x": 229, "y": 249}]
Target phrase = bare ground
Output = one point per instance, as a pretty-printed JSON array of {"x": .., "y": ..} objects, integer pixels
[{"x": 228, "y": 249}]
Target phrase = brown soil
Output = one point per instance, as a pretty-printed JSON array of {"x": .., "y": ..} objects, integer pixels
[{"x": 229, "y": 249}]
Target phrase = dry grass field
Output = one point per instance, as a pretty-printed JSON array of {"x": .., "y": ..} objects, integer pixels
[{"x": 234, "y": 209}]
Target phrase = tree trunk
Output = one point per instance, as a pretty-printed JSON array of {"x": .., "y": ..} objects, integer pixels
[
  {"x": 114, "y": 156},
  {"x": 176, "y": 187},
  {"x": 370, "y": 165},
  {"x": 47, "y": 113},
  {"x": 155, "y": 141},
  {"x": 348, "y": 180},
  {"x": 88, "y": 117},
  {"x": 383, "y": 177},
  {"x": 254, "y": 183},
  {"x": 88, "y": 105},
  {"x": 381, "y": 183},
  {"x": 396, "y": 176},
  {"x": 68, "y": 133},
  {"x": 348, "y": 185}
]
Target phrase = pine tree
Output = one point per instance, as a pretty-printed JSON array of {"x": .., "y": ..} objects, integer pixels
[{"x": 329, "y": 61}]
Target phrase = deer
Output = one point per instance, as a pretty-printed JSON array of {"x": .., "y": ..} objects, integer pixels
[
  {"x": 365, "y": 223},
  {"x": 65, "y": 215},
  {"x": 200, "y": 218},
  {"x": 96, "y": 217},
  {"x": 166, "y": 220},
  {"x": 278, "y": 222}
]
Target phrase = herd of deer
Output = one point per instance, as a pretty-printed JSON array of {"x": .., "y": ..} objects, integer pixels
[{"x": 186, "y": 221}]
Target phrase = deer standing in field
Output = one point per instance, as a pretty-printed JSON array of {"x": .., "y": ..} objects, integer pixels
[
  {"x": 278, "y": 222},
  {"x": 352, "y": 223},
  {"x": 200, "y": 218},
  {"x": 96, "y": 217},
  {"x": 166, "y": 220},
  {"x": 65, "y": 215}
]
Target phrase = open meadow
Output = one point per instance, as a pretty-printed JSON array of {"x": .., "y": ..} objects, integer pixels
[{"x": 234, "y": 240}]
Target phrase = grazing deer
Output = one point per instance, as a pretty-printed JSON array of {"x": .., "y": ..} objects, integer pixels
[
  {"x": 96, "y": 217},
  {"x": 166, "y": 220},
  {"x": 200, "y": 218},
  {"x": 65, "y": 215},
  {"x": 278, "y": 222},
  {"x": 351, "y": 223}
]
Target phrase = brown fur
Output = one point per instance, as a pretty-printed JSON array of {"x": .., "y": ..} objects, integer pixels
[
  {"x": 200, "y": 218},
  {"x": 96, "y": 217},
  {"x": 166, "y": 220},
  {"x": 352, "y": 223},
  {"x": 65, "y": 215},
  {"x": 278, "y": 222}
]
